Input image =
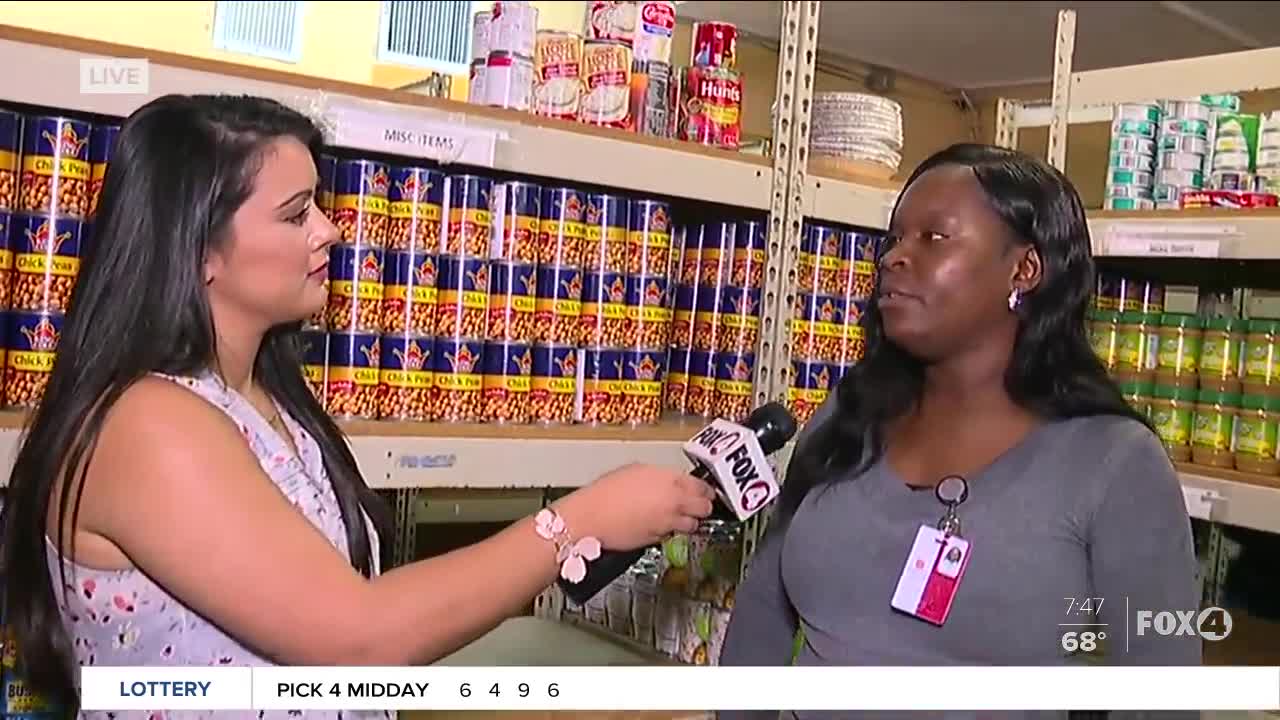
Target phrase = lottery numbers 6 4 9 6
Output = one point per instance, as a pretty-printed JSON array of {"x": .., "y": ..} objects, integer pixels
[{"x": 522, "y": 689}]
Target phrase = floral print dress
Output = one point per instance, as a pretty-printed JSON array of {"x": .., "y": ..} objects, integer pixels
[{"x": 122, "y": 618}]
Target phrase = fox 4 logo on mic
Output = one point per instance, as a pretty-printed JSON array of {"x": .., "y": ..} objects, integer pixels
[
  {"x": 734, "y": 457},
  {"x": 1211, "y": 623}
]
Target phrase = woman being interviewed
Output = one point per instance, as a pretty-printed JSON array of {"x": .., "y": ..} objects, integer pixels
[
  {"x": 181, "y": 498},
  {"x": 978, "y": 365}
]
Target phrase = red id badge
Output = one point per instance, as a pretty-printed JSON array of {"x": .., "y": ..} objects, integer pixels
[{"x": 932, "y": 575}]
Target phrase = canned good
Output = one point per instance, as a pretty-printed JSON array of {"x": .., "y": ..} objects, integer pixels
[
  {"x": 733, "y": 384},
  {"x": 1235, "y": 160},
  {"x": 1130, "y": 178},
  {"x": 652, "y": 98},
  {"x": 10, "y": 143},
  {"x": 557, "y": 305},
  {"x": 554, "y": 384},
  {"x": 313, "y": 350},
  {"x": 1177, "y": 126},
  {"x": 1129, "y": 204},
  {"x": 605, "y": 244},
  {"x": 817, "y": 329},
  {"x": 606, "y": 70},
  {"x": 1231, "y": 180},
  {"x": 1133, "y": 144},
  {"x": 512, "y": 28},
  {"x": 604, "y": 310},
  {"x": 512, "y": 296},
  {"x": 404, "y": 380},
  {"x": 55, "y": 167},
  {"x": 707, "y": 322},
  {"x": 360, "y": 190},
  {"x": 1122, "y": 294},
  {"x": 1187, "y": 109},
  {"x": 819, "y": 267},
  {"x": 562, "y": 232},
  {"x": 477, "y": 92},
  {"x": 611, "y": 20},
  {"x": 711, "y": 107},
  {"x": 853, "y": 343},
  {"x": 1149, "y": 112},
  {"x": 690, "y": 260},
  {"x": 715, "y": 45},
  {"x": 457, "y": 393},
  {"x": 1180, "y": 178},
  {"x": 355, "y": 289},
  {"x": 351, "y": 381},
  {"x": 481, "y": 35},
  {"x": 1137, "y": 128},
  {"x": 508, "y": 81},
  {"x": 747, "y": 270},
  {"x": 861, "y": 249},
  {"x": 683, "y": 316},
  {"x": 557, "y": 74},
  {"x": 715, "y": 264},
  {"x": 409, "y": 294},
  {"x": 654, "y": 28},
  {"x": 414, "y": 202},
  {"x": 601, "y": 387},
  {"x": 1181, "y": 161},
  {"x": 642, "y": 374},
  {"x": 462, "y": 298},
  {"x": 102, "y": 144},
  {"x": 1184, "y": 144},
  {"x": 677, "y": 381},
  {"x": 506, "y": 383},
  {"x": 1132, "y": 161},
  {"x": 326, "y": 169},
  {"x": 6, "y": 266},
  {"x": 31, "y": 348},
  {"x": 1128, "y": 191},
  {"x": 701, "y": 393},
  {"x": 811, "y": 383},
  {"x": 649, "y": 238},
  {"x": 739, "y": 320},
  {"x": 45, "y": 257},
  {"x": 470, "y": 222},
  {"x": 648, "y": 317}
]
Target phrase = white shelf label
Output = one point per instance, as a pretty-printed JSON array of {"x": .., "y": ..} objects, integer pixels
[
  {"x": 1173, "y": 240},
  {"x": 398, "y": 132}
]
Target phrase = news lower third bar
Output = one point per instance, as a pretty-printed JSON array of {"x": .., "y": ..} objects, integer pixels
[{"x": 681, "y": 688}]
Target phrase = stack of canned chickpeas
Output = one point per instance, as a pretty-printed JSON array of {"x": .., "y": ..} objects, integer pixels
[
  {"x": 462, "y": 298},
  {"x": 51, "y": 171}
]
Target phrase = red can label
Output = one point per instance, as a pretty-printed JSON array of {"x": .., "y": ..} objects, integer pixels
[
  {"x": 712, "y": 107},
  {"x": 715, "y": 45}
]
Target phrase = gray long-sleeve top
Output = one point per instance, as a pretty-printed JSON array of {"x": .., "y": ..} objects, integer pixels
[{"x": 1083, "y": 508}]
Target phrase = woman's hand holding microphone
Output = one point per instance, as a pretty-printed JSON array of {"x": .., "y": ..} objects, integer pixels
[{"x": 636, "y": 506}]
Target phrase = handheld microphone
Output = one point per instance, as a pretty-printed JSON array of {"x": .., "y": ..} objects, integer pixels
[{"x": 732, "y": 458}]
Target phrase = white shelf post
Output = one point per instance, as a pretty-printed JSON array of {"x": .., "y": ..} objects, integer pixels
[{"x": 1063, "y": 49}]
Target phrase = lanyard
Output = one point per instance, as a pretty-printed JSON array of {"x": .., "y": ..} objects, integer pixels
[{"x": 951, "y": 491}]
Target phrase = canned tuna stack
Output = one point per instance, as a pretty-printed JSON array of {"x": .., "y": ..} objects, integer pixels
[
  {"x": 44, "y": 234},
  {"x": 506, "y": 77},
  {"x": 837, "y": 274},
  {"x": 409, "y": 293},
  {"x": 857, "y": 127},
  {"x": 354, "y": 313},
  {"x": 463, "y": 286},
  {"x": 1184, "y": 151},
  {"x": 1131, "y": 170},
  {"x": 710, "y": 90}
]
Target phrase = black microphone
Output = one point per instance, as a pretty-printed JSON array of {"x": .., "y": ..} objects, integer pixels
[{"x": 731, "y": 463}]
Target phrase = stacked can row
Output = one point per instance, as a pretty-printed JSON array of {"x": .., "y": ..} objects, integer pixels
[
  {"x": 368, "y": 376},
  {"x": 716, "y": 324},
  {"x": 53, "y": 165}
]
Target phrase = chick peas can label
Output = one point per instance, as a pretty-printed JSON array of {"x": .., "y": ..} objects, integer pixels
[
  {"x": 360, "y": 186},
  {"x": 33, "y": 341},
  {"x": 555, "y": 370},
  {"x": 314, "y": 346},
  {"x": 45, "y": 245},
  {"x": 456, "y": 364},
  {"x": 55, "y": 156},
  {"x": 508, "y": 369},
  {"x": 355, "y": 359},
  {"x": 406, "y": 362}
]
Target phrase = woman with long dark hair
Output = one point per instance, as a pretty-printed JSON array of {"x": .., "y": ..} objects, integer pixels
[
  {"x": 978, "y": 366},
  {"x": 181, "y": 498}
]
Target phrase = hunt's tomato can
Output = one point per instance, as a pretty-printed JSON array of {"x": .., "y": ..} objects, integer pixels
[{"x": 711, "y": 107}]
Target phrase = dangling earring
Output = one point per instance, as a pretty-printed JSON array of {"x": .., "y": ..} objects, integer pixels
[{"x": 1014, "y": 297}]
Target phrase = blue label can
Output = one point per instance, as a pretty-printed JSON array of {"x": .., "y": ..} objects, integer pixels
[
  {"x": 606, "y": 218},
  {"x": 470, "y": 222},
  {"x": 360, "y": 189},
  {"x": 555, "y": 383},
  {"x": 55, "y": 167},
  {"x": 405, "y": 378},
  {"x": 517, "y": 214},
  {"x": 415, "y": 199},
  {"x": 46, "y": 261},
  {"x": 507, "y": 382},
  {"x": 601, "y": 387}
]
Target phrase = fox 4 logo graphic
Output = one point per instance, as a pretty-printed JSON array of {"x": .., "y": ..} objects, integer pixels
[{"x": 1211, "y": 623}]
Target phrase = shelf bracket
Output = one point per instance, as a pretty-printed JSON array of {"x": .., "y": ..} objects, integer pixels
[
  {"x": 1007, "y": 123},
  {"x": 1064, "y": 48}
]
